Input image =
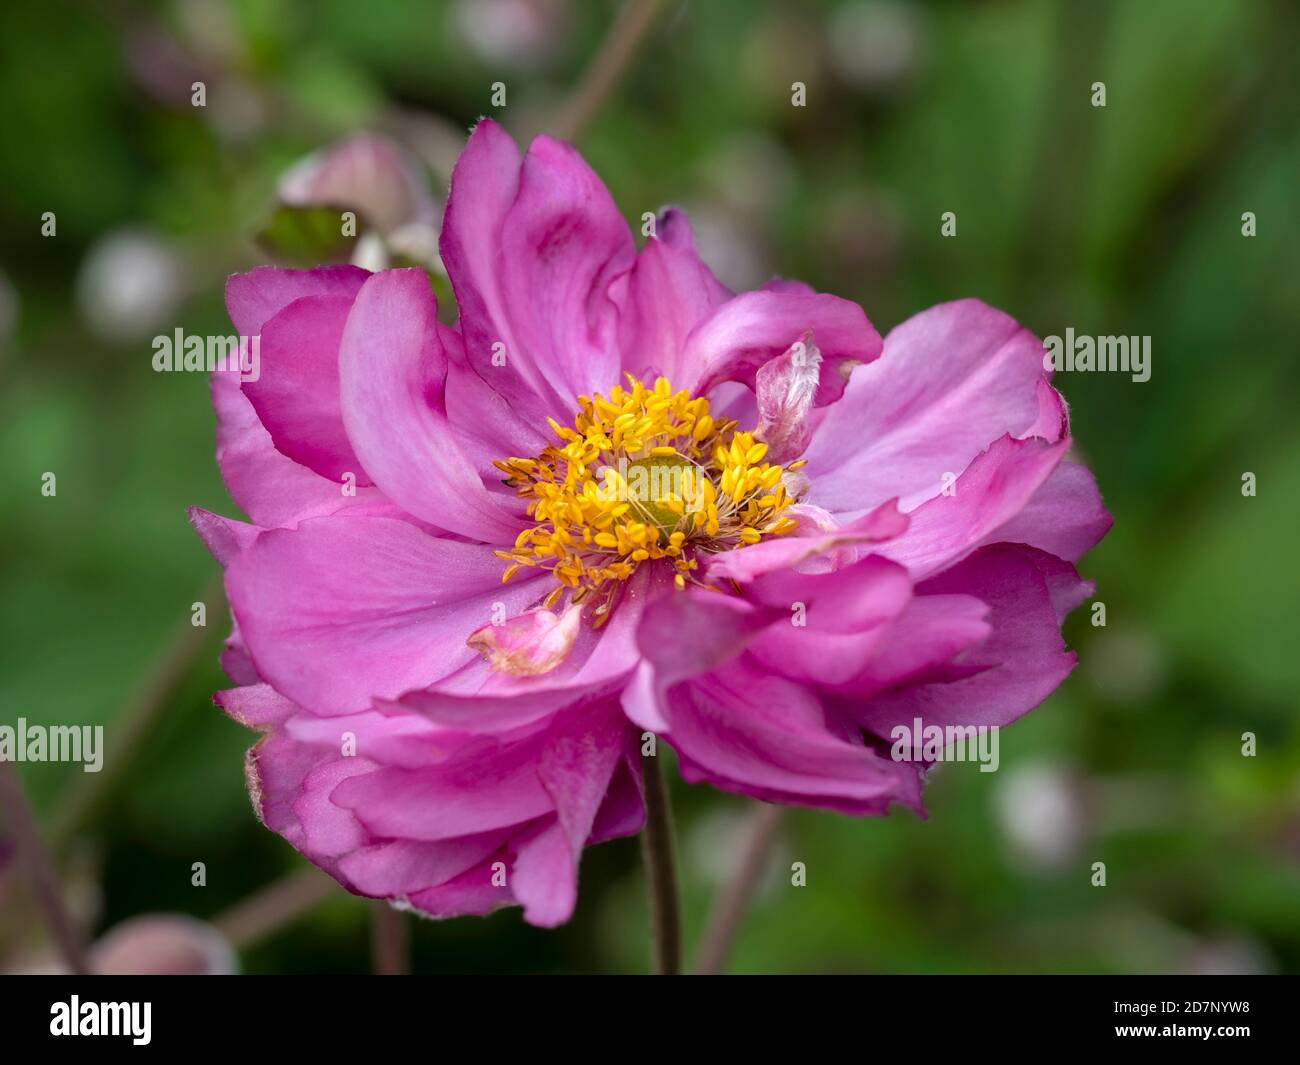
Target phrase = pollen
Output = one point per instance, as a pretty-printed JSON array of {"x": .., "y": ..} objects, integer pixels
[{"x": 646, "y": 475}]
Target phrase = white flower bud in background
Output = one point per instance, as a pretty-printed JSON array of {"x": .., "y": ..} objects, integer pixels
[
  {"x": 875, "y": 44},
  {"x": 164, "y": 944},
  {"x": 1229, "y": 954},
  {"x": 522, "y": 34},
  {"x": 1041, "y": 810},
  {"x": 130, "y": 285}
]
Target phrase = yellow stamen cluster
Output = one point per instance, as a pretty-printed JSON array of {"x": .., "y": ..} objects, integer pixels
[{"x": 646, "y": 474}]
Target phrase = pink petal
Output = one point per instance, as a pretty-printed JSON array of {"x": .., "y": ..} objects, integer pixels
[
  {"x": 810, "y": 547},
  {"x": 257, "y": 706},
  {"x": 296, "y": 395},
  {"x": 744, "y": 730},
  {"x": 952, "y": 380},
  {"x": 224, "y": 537},
  {"x": 669, "y": 291},
  {"x": 1065, "y": 517},
  {"x": 392, "y": 369},
  {"x": 342, "y": 611},
  {"x": 487, "y": 786},
  {"x": 256, "y": 297},
  {"x": 988, "y": 494},
  {"x": 271, "y": 489},
  {"x": 1021, "y": 662},
  {"x": 476, "y": 699},
  {"x": 756, "y": 327},
  {"x": 532, "y": 250},
  {"x": 402, "y": 867}
]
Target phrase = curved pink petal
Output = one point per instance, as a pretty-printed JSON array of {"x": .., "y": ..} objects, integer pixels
[
  {"x": 270, "y": 488},
  {"x": 811, "y": 547},
  {"x": 1065, "y": 517},
  {"x": 255, "y": 706},
  {"x": 392, "y": 369},
  {"x": 951, "y": 380},
  {"x": 478, "y": 699},
  {"x": 401, "y": 868},
  {"x": 988, "y": 494},
  {"x": 489, "y": 786},
  {"x": 532, "y": 249},
  {"x": 254, "y": 298},
  {"x": 296, "y": 394},
  {"x": 342, "y": 611},
  {"x": 755, "y": 327},
  {"x": 669, "y": 291},
  {"x": 1021, "y": 662},
  {"x": 223, "y": 537},
  {"x": 743, "y": 729},
  {"x": 925, "y": 636}
]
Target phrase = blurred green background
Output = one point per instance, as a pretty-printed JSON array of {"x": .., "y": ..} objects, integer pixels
[{"x": 1124, "y": 219}]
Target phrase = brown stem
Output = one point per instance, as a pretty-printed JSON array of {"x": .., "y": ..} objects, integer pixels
[
  {"x": 274, "y": 906},
  {"x": 135, "y": 722},
  {"x": 45, "y": 876},
  {"x": 729, "y": 907},
  {"x": 390, "y": 941},
  {"x": 607, "y": 68},
  {"x": 661, "y": 872}
]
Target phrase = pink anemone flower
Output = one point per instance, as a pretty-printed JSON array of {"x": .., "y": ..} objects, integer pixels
[{"x": 485, "y": 560}]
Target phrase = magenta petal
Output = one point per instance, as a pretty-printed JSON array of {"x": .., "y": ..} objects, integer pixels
[
  {"x": 296, "y": 394},
  {"x": 342, "y": 611},
  {"x": 224, "y": 537},
  {"x": 400, "y": 868},
  {"x": 577, "y": 762},
  {"x": 952, "y": 380},
  {"x": 478, "y": 700},
  {"x": 545, "y": 878},
  {"x": 254, "y": 298},
  {"x": 992, "y": 491},
  {"x": 282, "y": 786},
  {"x": 1065, "y": 517},
  {"x": 810, "y": 547},
  {"x": 1020, "y": 663},
  {"x": 256, "y": 706},
  {"x": 272, "y": 489},
  {"x": 843, "y": 616},
  {"x": 926, "y": 635},
  {"x": 669, "y": 291},
  {"x": 748, "y": 731},
  {"x": 532, "y": 250},
  {"x": 486, "y": 787},
  {"x": 392, "y": 368},
  {"x": 755, "y": 327},
  {"x": 472, "y": 893}
]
